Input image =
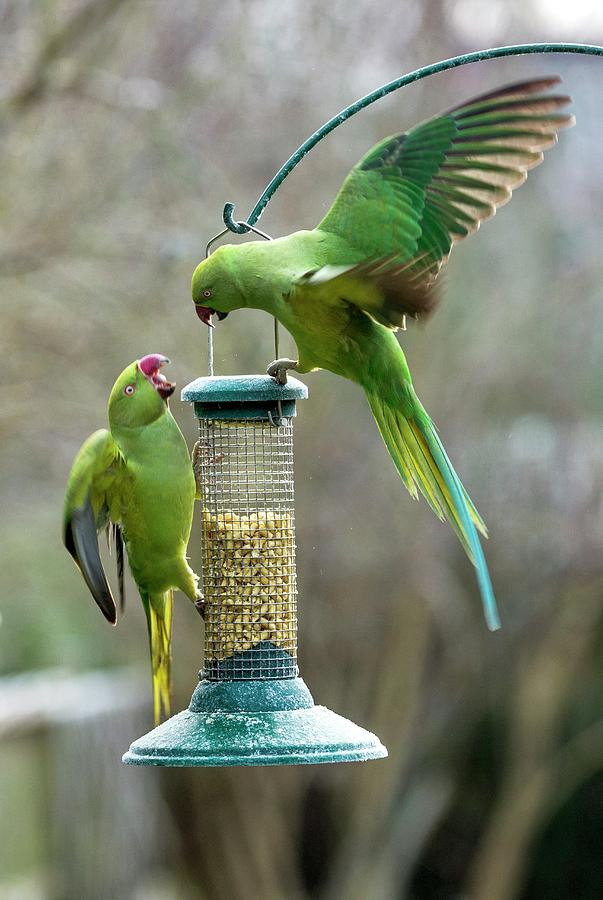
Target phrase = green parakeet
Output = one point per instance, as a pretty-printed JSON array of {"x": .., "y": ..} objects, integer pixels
[
  {"x": 345, "y": 287},
  {"x": 137, "y": 476}
]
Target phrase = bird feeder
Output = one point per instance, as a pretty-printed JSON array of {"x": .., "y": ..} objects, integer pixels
[{"x": 250, "y": 707}]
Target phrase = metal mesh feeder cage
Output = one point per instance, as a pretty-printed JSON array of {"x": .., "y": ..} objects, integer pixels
[{"x": 250, "y": 706}]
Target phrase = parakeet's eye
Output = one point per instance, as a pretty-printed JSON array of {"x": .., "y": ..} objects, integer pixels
[
  {"x": 129, "y": 389},
  {"x": 207, "y": 293}
]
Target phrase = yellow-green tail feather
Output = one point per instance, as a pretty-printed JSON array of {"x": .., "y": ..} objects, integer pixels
[
  {"x": 158, "y": 609},
  {"x": 422, "y": 462}
]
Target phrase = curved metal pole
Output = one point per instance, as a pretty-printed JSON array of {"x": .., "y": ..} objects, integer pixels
[{"x": 417, "y": 75}]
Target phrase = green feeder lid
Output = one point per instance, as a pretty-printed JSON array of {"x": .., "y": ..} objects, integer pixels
[
  {"x": 259, "y": 723},
  {"x": 243, "y": 396}
]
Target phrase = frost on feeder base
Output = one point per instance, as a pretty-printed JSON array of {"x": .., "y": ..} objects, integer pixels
[
  {"x": 250, "y": 707},
  {"x": 254, "y": 723}
]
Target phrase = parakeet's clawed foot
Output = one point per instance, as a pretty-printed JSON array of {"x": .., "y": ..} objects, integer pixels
[
  {"x": 200, "y": 605},
  {"x": 278, "y": 369}
]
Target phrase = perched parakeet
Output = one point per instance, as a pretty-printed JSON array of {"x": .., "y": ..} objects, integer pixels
[
  {"x": 138, "y": 477},
  {"x": 345, "y": 287}
]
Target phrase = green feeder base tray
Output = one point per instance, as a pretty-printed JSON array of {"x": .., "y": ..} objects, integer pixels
[{"x": 254, "y": 723}]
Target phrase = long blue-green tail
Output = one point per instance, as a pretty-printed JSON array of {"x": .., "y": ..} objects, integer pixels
[{"x": 422, "y": 462}]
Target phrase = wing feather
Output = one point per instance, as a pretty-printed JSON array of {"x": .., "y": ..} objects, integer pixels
[
  {"x": 414, "y": 195},
  {"x": 90, "y": 501}
]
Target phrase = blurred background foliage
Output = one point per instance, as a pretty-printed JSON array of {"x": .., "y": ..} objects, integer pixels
[{"x": 125, "y": 125}]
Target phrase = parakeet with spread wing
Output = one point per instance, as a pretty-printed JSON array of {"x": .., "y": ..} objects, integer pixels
[
  {"x": 137, "y": 480},
  {"x": 344, "y": 288}
]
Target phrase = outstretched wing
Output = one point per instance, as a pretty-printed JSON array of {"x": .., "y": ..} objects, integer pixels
[
  {"x": 386, "y": 289},
  {"x": 91, "y": 502},
  {"x": 414, "y": 195}
]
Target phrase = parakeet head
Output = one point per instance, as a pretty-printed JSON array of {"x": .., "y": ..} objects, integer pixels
[
  {"x": 140, "y": 394},
  {"x": 216, "y": 287}
]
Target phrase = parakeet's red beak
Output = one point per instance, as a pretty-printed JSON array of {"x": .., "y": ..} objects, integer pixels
[
  {"x": 150, "y": 366},
  {"x": 206, "y": 312}
]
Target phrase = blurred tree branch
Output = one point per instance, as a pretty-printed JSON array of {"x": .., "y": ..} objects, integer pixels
[{"x": 85, "y": 20}]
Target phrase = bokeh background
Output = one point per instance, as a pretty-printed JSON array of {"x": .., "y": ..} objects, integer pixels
[{"x": 125, "y": 125}]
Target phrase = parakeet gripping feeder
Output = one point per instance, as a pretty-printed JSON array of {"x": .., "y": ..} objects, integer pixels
[{"x": 250, "y": 706}]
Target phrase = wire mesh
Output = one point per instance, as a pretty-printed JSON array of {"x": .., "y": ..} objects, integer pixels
[{"x": 245, "y": 473}]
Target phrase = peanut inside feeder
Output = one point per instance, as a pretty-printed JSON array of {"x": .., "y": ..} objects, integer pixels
[
  {"x": 250, "y": 591},
  {"x": 244, "y": 469}
]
